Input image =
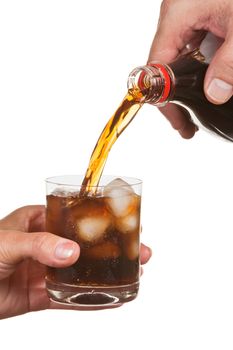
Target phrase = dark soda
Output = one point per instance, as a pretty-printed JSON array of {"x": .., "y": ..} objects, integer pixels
[{"x": 108, "y": 236}]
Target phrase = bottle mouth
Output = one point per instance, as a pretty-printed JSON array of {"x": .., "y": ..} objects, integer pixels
[{"x": 144, "y": 83}]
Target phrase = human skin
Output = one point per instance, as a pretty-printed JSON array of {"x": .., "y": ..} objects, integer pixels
[
  {"x": 182, "y": 22},
  {"x": 25, "y": 250}
]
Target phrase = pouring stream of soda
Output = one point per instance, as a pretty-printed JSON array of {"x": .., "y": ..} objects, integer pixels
[{"x": 115, "y": 126}]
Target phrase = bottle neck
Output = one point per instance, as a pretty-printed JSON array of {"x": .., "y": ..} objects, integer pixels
[{"x": 151, "y": 84}]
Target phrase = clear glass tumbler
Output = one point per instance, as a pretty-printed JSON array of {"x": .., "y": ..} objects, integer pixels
[{"x": 105, "y": 222}]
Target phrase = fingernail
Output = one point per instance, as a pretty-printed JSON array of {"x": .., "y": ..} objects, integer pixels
[
  {"x": 64, "y": 250},
  {"x": 219, "y": 91}
]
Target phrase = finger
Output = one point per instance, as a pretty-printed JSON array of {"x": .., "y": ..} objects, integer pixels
[
  {"x": 218, "y": 83},
  {"x": 173, "y": 35},
  {"x": 165, "y": 34},
  {"x": 180, "y": 120},
  {"x": 29, "y": 218},
  {"x": 44, "y": 247},
  {"x": 188, "y": 131},
  {"x": 145, "y": 253}
]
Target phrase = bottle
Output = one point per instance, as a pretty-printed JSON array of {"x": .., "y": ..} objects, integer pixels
[{"x": 181, "y": 82}]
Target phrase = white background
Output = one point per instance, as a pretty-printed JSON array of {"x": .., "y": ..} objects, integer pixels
[{"x": 63, "y": 71}]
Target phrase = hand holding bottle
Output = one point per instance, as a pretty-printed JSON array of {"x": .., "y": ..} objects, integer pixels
[{"x": 182, "y": 22}]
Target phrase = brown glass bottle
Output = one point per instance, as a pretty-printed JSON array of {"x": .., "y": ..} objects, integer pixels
[{"x": 181, "y": 82}]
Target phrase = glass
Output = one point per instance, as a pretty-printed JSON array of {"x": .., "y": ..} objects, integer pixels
[{"x": 106, "y": 225}]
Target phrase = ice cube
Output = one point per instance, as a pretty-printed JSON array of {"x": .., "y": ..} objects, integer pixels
[
  {"x": 128, "y": 223},
  {"x": 131, "y": 245},
  {"x": 93, "y": 228},
  {"x": 104, "y": 250},
  {"x": 120, "y": 197},
  {"x": 132, "y": 251},
  {"x": 117, "y": 187}
]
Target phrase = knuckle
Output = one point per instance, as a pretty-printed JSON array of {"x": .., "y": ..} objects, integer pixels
[
  {"x": 165, "y": 6},
  {"x": 222, "y": 65},
  {"x": 225, "y": 73},
  {"x": 39, "y": 242},
  {"x": 227, "y": 63}
]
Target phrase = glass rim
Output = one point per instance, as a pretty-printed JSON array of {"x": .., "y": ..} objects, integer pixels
[{"x": 57, "y": 180}]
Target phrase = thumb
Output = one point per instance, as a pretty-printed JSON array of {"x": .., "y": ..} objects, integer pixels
[
  {"x": 45, "y": 247},
  {"x": 218, "y": 83}
]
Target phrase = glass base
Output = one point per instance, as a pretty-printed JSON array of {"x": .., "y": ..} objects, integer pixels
[{"x": 91, "y": 296}]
